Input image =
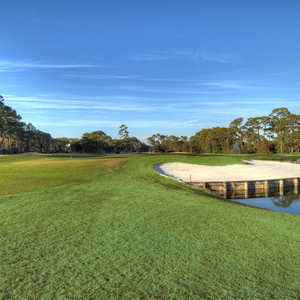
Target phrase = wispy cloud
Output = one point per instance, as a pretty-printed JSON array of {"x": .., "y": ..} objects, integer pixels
[
  {"x": 127, "y": 77},
  {"x": 163, "y": 90},
  {"x": 132, "y": 124},
  {"x": 101, "y": 76},
  {"x": 152, "y": 57},
  {"x": 171, "y": 110},
  {"x": 229, "y": 85},
  {"x": 185, "y": 104},
  {"x": 73, "y": 104},
  {"x": 191, "y": 54},
  {"x": 160, "y": 79},
  {"x": 92, "y": 107},
  {"x": 218, "y": 58},
  {"x": 15, "y": 66}
]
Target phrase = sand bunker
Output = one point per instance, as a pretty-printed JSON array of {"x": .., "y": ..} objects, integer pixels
[{"x": 254, "y": 170}]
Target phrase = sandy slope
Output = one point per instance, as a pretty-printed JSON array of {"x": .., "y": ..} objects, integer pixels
[{"x": 254, "y": 170}]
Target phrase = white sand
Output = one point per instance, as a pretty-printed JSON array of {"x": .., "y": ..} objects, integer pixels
[{"x": 254, "y": 170}]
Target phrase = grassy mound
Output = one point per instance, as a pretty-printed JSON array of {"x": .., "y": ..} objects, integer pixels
[{"x": 129, "y": 233}]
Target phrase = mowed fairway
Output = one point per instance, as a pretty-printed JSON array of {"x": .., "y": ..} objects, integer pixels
[
  {"x": 112, "y": 228},
  {"x": 20, "y": 173}
]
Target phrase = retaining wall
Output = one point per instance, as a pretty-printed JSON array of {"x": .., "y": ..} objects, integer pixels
[{"x": 251, "y": 189}]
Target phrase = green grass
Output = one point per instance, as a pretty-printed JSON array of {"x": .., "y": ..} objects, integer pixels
[
  {"x": 20, "y": 173},
  {"x": 129, "y": 233}
]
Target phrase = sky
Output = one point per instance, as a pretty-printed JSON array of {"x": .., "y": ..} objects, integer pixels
[{"x": 172, "y": 67}]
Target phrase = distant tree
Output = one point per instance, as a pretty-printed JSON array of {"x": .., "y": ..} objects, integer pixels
[
  {"x": 213, "y": 140},
  {"x": 154, "y": 142},
  {"x": 123, "y": 132},
  {"x": 280, "y": 119},
  {"x": 96, "y": 141},
  {"x": 236, "y": 129}
]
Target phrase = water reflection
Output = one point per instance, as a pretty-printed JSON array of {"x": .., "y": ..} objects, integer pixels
[{"x": 287, "y": 203}]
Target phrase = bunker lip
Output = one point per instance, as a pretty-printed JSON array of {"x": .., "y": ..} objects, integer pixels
[{"x": 254, "y": 170}]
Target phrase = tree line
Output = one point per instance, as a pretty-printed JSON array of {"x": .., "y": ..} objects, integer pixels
[
  {"x": 277, "y": 132},
  {"x": 17, "y": 136},
  {"x": 99, "y": 142}
]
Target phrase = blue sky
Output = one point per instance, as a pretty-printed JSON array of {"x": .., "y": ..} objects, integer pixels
[{"x": 172, "y": 67}]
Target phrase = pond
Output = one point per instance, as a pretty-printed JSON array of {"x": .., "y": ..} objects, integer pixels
[{"x": 286, "y": 203}]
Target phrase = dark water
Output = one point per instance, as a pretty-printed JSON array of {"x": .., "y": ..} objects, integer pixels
[{"x": 287, "y": 203}]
